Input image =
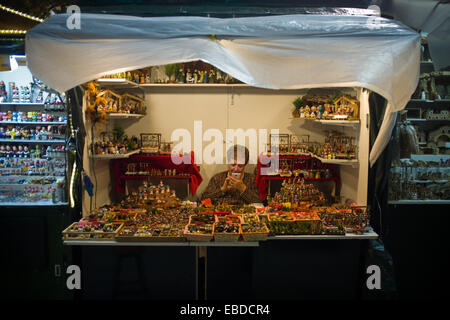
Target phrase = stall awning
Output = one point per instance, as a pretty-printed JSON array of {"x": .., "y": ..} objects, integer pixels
[{"x": 274, "y": 52}]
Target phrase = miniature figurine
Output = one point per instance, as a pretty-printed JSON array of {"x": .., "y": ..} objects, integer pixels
[
  {"x": 3, "y": 93},
  {"x": 181, "y": 76}
]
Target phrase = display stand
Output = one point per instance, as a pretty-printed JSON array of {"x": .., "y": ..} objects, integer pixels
[{"x": 201, "y": 252}]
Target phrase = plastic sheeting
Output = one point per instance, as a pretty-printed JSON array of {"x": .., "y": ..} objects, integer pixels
[{"x": 274, "y": 52}]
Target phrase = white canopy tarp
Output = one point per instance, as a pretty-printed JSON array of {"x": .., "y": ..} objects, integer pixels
[{"x": 274, "y": 52}]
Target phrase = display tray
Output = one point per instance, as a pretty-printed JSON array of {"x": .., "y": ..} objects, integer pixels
[
  {"x": 254, "y": 236},
  {"x": 71, "y": 234},
  {"x": 130, "y": 238},
  {"x": 193, "y": 236},
  {"x": 227, "y": 236}
]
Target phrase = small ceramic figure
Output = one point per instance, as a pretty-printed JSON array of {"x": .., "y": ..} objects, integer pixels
[
  {"x": 195, "y": 76},
  {"x": 181, "y": 76},
  {"x": 211, "y": 76}
]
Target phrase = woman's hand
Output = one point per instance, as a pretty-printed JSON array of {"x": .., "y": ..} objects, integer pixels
[
  {"x": 236, "y": 184},
  {"x": 226, "y": 185}
]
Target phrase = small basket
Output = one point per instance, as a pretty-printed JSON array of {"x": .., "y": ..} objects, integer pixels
[
  {"x": 197, "y": 237},
  {"x": 69, "y": 234},
  {"x": 255, "y": 236},
  {"x": 227, "y": 236},
  {"x": 243, "y": 217}
]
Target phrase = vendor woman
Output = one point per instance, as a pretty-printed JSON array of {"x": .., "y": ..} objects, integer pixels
[{"x": 233, "y": 186}]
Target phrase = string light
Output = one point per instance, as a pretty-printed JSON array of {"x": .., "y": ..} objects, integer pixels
[
  {"x": 20, "y": 13},
  {"x": 12, "y": 31},
  {"x": 11, "y": 39}
]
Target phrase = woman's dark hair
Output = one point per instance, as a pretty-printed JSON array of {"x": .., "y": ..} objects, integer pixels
[{"x": 238, "y": 152}]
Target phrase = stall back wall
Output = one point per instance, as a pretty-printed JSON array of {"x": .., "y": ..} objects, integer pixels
[
  {"x": 219, "y": 108},
  {"x": 275, "y": 52}
]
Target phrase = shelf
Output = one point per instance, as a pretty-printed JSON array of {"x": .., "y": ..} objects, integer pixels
[
  {"x": 140, "y": 177},
  {"x": 276, "y": 177},
  {"x": 365, "y": 236},
  {"x": 417, "y": 120},
  {"x": 32, "y": 204},
  {"x": 27, "y": 185},
  {"x": 429, "y": 181},
  {"x": 124, "y": 115},
  {"x": 21, "y": 104},
  {"x": 191, "y": 85},
  {"x": 430, "y": 157},
  {"x": 32, "y": 141},
  {"x": 35, "y": 122},
  {"x": 353, "y": 162},
  {"x": 349, "y": 236},
  {"x": 117, "y": 82},
  {"x": 160, "y": 244},
  {"x": 31, "y": 176},
  {"x": 419, "y": 202},
  {"x": 115, "y": 156},
  {"x": 346, "y": 123},
  {"x": 437, "y": 104}
]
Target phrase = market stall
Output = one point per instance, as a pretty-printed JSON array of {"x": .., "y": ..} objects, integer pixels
[{"x": 161, "y": 74}]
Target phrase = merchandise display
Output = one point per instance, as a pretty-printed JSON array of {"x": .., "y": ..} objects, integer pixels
[
  {"x": 420, "y": 180},
  {"x": 336, "y": 146},
  {"x": 196, "y": 72},
  {"x": 155, "y": 213},
  {"x": 111, "y": 143},
  {"x": 420, "y": 168},
  {"x": 337, "y": 107},
  {"x": 33, "y": 131}
]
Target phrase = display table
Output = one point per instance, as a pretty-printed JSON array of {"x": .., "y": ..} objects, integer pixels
[{"x": 201, "y": 261}]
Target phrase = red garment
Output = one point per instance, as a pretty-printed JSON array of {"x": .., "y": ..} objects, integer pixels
[
  {"x": 262, "y": 181},
  {"x": 158, "y": 162}
]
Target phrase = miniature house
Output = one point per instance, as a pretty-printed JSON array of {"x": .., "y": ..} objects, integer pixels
[
  {"x": 132, "y": 104},
  {"x": 113, "y": 100},
  {"x": 348, "y": 106},
  {"x": 440, "y": 136}
]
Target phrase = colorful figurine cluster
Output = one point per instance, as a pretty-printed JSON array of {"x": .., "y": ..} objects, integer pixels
[
  {"x": 25, "y": 94},
  {"x": 144, "y": 169},
  {"x": 337, "y": 146},
  {"x": 196, "y": 72},
  {"x": 30, "y": 166},
  {"x": 20, "y": 94},
  {"x": 152, "y": 196},
  {"x": 30, "y": 116},
  {"x": 112, "y": 145},
  {"x": 53, "y": 102},
  {"x": 3, "y": 92},
  {"x": 34, "y": 133},
  {"x": 299, "y": 194},
  {"x": 339, "y": 107},
  {"x": 24, "y": 151}
]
